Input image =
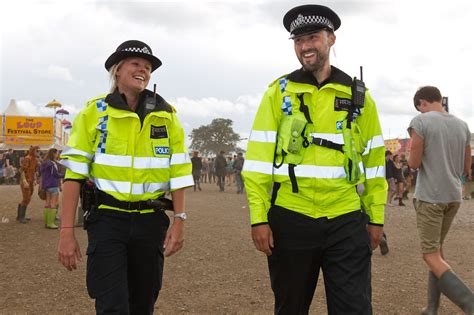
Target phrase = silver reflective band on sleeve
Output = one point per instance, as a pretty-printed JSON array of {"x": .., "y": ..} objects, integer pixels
[
  {"x": 140, "y": 189},
  {"x": 150, "y": 162},
  {"x": 375, "y": 142},
  {"x": 333, "y": 137},
  {"x": 113, "y": 160},
  {"x": 263, "y": 136},
  {"x": 180, "y": 182},
  {"x": 258, "y": 166},
  {"x": 180, "y": 158},
  {"x": 373, "y": 172},
  {"x": 71, "y": 151},
  {"x": 112, "y": 185},
  {"x": 76, "y": 167}
]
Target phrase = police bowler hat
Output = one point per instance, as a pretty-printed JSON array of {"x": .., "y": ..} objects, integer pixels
[
  {"x": 309, "y": 18},
  {"x": 133, "y": 48}
]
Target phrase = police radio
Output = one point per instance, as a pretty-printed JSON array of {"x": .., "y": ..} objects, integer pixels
[
  {"x": 358, "y": 91},
  {"x": 150, "y": 102}
]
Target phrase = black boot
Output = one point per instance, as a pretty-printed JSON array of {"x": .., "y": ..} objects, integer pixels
[
  {"x": 433, "y": 296},
  {"x": 18, "y": 211},
  {"x": 405, "y": 195},
  {"x": 457, "y": 291},
  {"x": 22, "y": 218},
  {"x": 400, "y": 202}
]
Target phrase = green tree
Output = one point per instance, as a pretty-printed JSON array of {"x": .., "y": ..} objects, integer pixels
[{"x": 212, "y": 138}]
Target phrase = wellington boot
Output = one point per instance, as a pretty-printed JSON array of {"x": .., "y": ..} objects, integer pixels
[
  {"x": 457, "y": 291},
  {"x": 22, "y": 214},
  {"x": 51, "y": 213},
  {"x": 18, "y": 212},
  {"x": 45, "y": 217},
  {"x": 434, "y": 295}
]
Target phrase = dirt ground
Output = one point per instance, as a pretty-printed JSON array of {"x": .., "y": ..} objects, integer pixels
[{"x": 218, "y": 271}]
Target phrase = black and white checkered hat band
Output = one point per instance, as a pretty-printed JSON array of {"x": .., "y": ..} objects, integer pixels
[
  {"x": 143, "y": 50},
  {"x": 302, "y": 21}
]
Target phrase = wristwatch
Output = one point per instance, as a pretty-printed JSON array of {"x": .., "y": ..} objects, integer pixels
[{"x": 182, "y": 216}]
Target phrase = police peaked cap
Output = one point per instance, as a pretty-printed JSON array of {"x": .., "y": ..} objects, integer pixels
[
  {"x": 306, "y": 19},
  {"x": 133, "y": 48}
]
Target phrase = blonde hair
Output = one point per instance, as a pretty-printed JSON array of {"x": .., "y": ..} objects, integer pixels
[{"x": 113, "y": 75}]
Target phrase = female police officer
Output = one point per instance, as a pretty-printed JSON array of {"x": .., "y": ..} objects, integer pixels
[{"x": 131, "y": 145}]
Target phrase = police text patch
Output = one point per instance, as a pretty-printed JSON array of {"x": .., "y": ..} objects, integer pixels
[
  {"x": 341, "y": 104},
  {"x": 158, "y": 132},
  {"x": 162, "y": 150}
]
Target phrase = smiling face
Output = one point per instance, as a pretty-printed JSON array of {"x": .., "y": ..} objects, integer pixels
[
  {"x": 133, "y": 75},
  {"x": 313, "y": 49}
]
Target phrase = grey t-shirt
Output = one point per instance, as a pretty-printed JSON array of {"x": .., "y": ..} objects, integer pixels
[{"x": 445, "y": 138}]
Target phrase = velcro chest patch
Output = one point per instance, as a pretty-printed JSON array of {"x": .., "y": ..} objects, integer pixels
[
  {"x": 342, "y": 104},
  {"x": 158, "y": 132}
]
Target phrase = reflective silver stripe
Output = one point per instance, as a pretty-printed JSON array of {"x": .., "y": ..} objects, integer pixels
[
  {"x": 140, "y": 189},
  {"x": 373, "y": 172},
  {"x": 258, "y": 166},
  {"x": 263, "y": 136},
  {"x": 113, "y": 160},
  {"x": 180, "y": 182},
  {"x": 112, "y": 185},
  {"x": 76, "y": 167},
  {"x": 333, "y": 137},
  {"x": 72, "y": 151},
  {"x": 180, "y": 158},
  {"x": 312, "y": 171},
  {"x": 150, "y": 162},
  {"x": 375, "y": 142}
]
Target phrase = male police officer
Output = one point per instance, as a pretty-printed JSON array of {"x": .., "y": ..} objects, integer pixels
[{"x": 313, "y": 140}]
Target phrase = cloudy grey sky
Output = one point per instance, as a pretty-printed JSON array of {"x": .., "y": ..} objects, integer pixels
[{"x": 219, "y": 56}]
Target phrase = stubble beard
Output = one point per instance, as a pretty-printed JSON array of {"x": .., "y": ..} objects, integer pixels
[{"x": 316, "y": 65}]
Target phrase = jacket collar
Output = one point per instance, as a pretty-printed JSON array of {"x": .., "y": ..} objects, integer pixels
[
  {"x": 336, "y": 76},
  {"x": 119, "y": 101}
]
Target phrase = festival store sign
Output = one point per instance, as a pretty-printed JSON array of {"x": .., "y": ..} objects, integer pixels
[{"x": 29, "y": 130}]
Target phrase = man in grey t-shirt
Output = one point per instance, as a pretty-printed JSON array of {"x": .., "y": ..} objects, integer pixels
[{"x": 441, "y": 150}]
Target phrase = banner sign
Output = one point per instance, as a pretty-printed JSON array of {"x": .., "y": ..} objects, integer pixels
[{"x": 29, "y": 130}]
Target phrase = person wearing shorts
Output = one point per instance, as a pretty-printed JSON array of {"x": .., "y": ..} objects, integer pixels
[
  {"x": 50, "y": 182},
  {"x": 440, "y": 148}
]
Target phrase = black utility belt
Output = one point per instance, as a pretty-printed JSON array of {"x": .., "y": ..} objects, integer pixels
[{"x": 159, "y": 204}]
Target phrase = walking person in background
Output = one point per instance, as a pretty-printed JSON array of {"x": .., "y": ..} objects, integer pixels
[
  {"x": 229, "y": 171},
  {"x": 29, "y": 169},
  {"x": 50, "y": 181},
  {"x": 130, "y": 144},
  {"x": 220, "y": 166},
  {"x": 310, "y": 142},
  {"x": 212, "y": 171},
  {"x": 205, "y": 170},
  {"x": 440, "y": 148},
  {"x": 390, "y": 177},
  {"x": 399, "y": 180},
  {"x": 238, "y": 166},
  {"x": 196, "y": 162}
]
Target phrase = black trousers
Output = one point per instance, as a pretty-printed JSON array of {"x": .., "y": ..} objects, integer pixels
[
  {"x": 125, "y": 261},
  {"x": 340, "y": 247}
]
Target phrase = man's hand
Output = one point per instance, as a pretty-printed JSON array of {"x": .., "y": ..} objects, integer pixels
[
  {"x": 262, "y": 237},
  {"x": 375, "y": 233},
  {"x": 68, "y": 250},
  {"x": 174, "y": 238}
]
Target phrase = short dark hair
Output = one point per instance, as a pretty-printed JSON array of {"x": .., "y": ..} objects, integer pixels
[
  {"x": 388, "y": 152},
  {"x": 428, "y": 93}
]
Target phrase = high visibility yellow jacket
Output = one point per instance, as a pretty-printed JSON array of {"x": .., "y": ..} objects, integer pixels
[
  {"x": 129, "y": 159},
  {"x": 323, "y": 190}
]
